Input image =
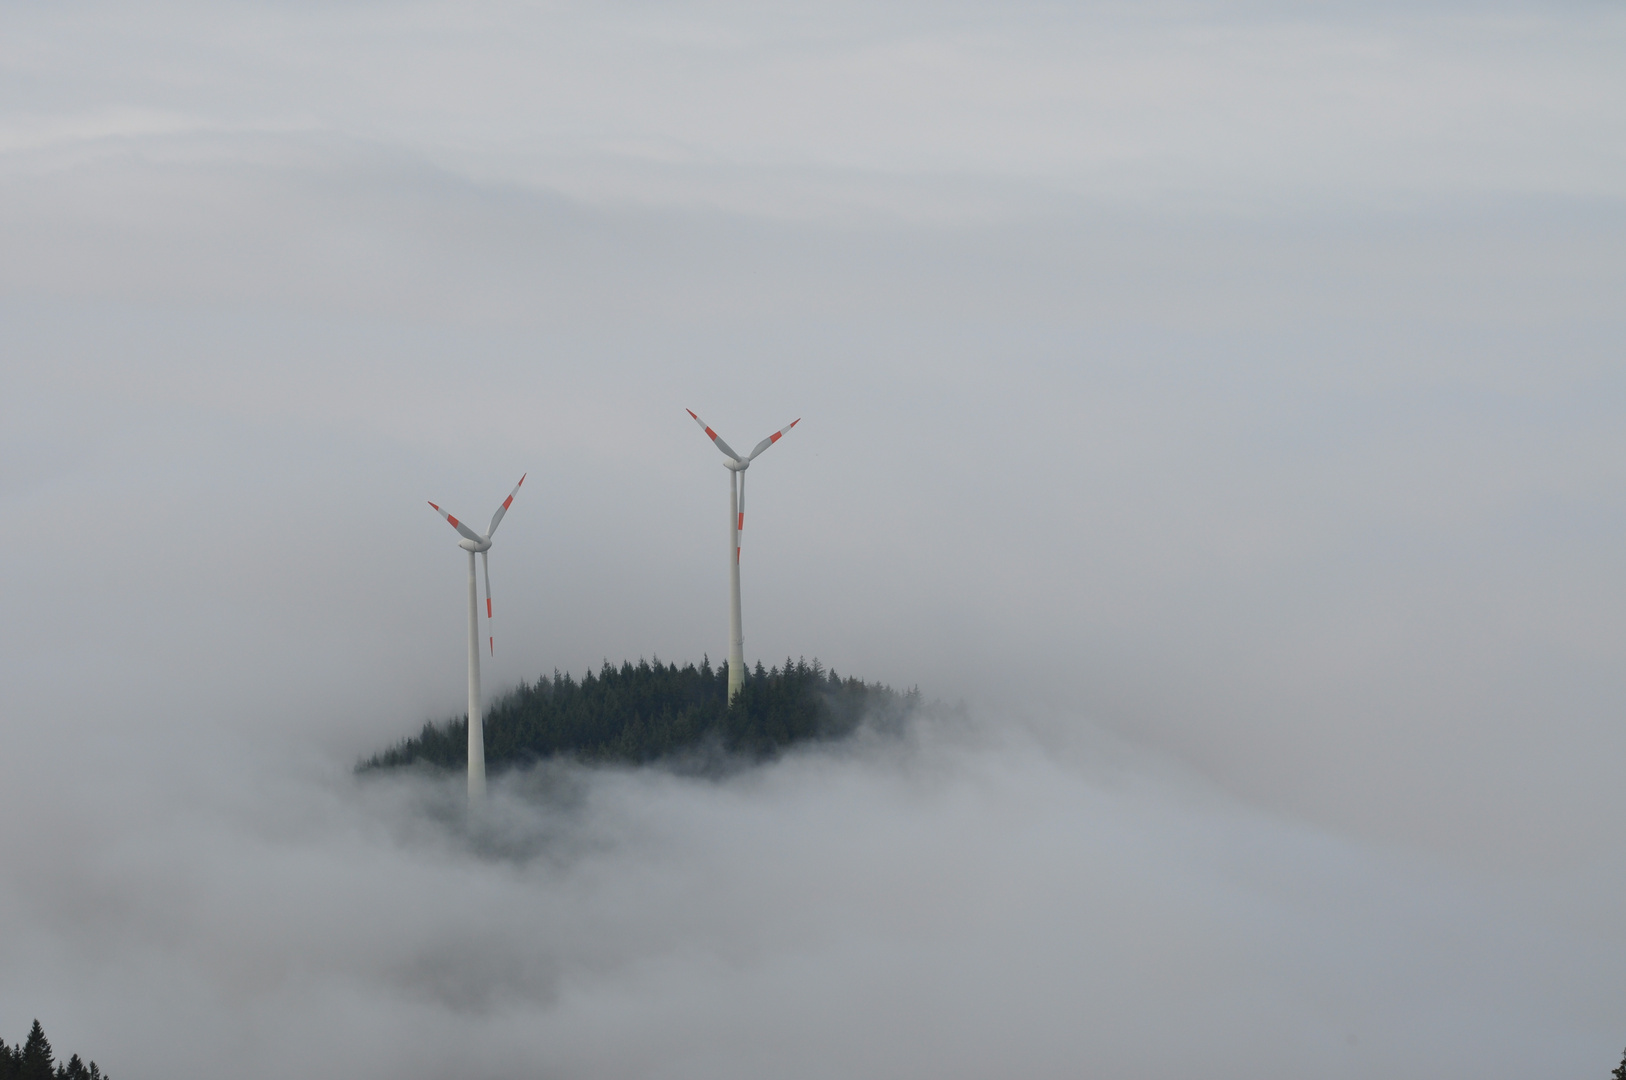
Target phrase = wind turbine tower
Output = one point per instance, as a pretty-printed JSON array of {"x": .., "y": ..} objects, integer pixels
[
  {"x": 736, "y": 466},
  {"x": 476, "y": 543}
]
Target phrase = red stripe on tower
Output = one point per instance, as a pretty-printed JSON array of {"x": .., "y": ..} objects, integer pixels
[
  {"x": 493, "y": 642},
  {"x": 736, "y": 554},
  {"x": 742, "y": 520},
  {"x": 488, "y": 607}
]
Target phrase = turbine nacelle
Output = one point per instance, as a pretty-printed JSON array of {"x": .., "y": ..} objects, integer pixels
[
  {"x": 735, "y": 465},
  {"x": 473, "y": 541}
]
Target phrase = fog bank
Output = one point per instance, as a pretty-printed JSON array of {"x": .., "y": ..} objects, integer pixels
[{"x": 961, "y": 903}]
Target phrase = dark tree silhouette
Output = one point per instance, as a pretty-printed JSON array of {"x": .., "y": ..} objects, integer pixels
[
  {"x": 37, "y": 1060},
  {"x": 651, "y": 711},
  {"x": 34, "y": 1060},
  {"x": 1620, "y": 1070}
]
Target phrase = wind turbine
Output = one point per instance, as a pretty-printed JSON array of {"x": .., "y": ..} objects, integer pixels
[
  {"x": 473, "y": 542},
  {"x": 736, "y": 466}
]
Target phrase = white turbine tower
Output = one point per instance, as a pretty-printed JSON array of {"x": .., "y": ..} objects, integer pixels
[
  {"x": 473, "y": 543},
  {"x": 736, "y": 466}
]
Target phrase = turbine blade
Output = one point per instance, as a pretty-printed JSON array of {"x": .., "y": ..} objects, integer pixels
[
  {"x": 716, "y": 438},
  {"x": 739, "y": 528},
  {"x": 458, "y": 525},
  {"x": 503, "y": 509},
  {"x": 491, "y": 636},
  {"x": 771, "y": 439}
]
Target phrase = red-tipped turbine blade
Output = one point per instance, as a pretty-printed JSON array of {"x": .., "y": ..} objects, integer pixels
[
  {"x": 771, "y": 439},
  {"x": 491, "y": 636},
  {"x": 503, "y": 509},
  {"x": 714, "y": 437},
  {"x": 458, "y": 525}
]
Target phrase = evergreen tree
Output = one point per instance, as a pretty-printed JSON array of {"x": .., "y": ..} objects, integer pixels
[
  {"x": 1620, "y": 1070},
  {"x": 37, "y": 1061}
]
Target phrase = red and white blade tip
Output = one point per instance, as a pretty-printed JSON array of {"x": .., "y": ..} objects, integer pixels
[
  {"x": 456, "y": 524},
  {"x": 710, "y": 433},
  {"x": 771, "y": 439},
  {"x": 714, "y": 437},
  {"x": 506, "y": 503}
]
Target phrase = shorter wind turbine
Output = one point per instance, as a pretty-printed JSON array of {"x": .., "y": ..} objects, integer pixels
[
  {"x": 473, "y": 543},
  {"x": 736, "y": 466}
]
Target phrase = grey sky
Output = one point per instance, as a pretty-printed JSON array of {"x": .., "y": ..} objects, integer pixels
[{"x": 1223, "y": 401}]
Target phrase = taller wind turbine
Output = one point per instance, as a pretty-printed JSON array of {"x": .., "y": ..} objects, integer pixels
[
  {"x": 736, "y": 466},
  {"x": 473, "y": 543}
]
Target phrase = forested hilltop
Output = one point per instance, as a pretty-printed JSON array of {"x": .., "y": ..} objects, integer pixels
[{"x": 649, "y": 711}]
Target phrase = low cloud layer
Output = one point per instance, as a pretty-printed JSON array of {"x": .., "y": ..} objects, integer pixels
[{"x": 966, "y": 902}]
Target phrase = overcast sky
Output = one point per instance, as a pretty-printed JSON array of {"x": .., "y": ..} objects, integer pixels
[{"x": 1222, "y": 402}]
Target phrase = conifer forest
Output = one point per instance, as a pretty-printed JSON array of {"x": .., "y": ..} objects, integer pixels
[
  {"x": 650, "y": 711},
  {"x": 33, "y": 1059}
]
